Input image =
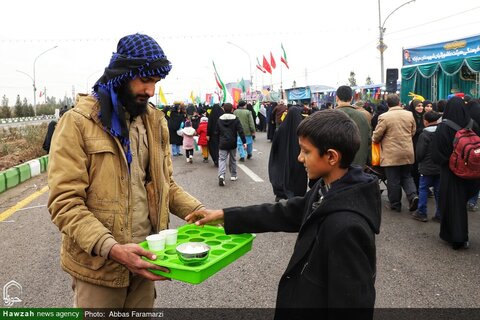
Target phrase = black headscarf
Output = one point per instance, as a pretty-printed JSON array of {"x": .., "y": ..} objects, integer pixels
[
  {"x": 418, "y": 120},
  {"x": 287, "y": 175},
  {"x": 473, "y": 108},
  {"x": 456, "y": 111},
  {"x": 216, "y": 112}
]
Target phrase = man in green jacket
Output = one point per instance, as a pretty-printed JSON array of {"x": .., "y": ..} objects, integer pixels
[
  {"x": 246, "y": 119},
  {"x": 110, "y": 179},
  {"x": 343, "y": 101}
]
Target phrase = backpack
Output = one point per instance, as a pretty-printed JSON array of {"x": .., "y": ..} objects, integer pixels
[{"x": 465, "y": 158}]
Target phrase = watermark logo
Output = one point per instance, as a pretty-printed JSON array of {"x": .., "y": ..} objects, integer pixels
[{"x": 16, "y": 289}]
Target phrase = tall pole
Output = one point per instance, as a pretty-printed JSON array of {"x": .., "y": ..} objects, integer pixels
[
  {"x": 34, "y": 85},
  {"x": 381, "y": 45},
  {"x": 33, "y": 81},
  {"x": 381, "y": 28},
  {"x": 249, "y": 60},
  {"x": 281, "y": 81}
]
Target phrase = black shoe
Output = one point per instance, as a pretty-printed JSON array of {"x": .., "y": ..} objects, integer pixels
[
  {"x": 389, "y": 207},
  {"x": 413, "y": 204},
  {"x": 242, "y": 159},
  {"x": 430, "y": 193},
  {"x": 419, "y": 217},
  {"x": 460, "y": 245},
  {"x": 221, "y": 181},
  {"x": 437, "y": 219},
  {"x": 249, "y": 156},
  {"x": 216, "y": 164},
  {"x": 205, "y": 160}
]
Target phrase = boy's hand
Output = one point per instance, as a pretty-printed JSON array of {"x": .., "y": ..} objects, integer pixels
[{"x": 202, "y": 217}]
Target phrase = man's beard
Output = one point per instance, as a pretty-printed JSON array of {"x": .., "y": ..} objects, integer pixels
[{"x": 132, "y": 103}]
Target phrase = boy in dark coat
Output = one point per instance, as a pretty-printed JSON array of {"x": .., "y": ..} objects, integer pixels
[
  {"x": 333, "y": 265},
  {"x": 227, "y": 128},
  {"x": 429, "y": 170}
]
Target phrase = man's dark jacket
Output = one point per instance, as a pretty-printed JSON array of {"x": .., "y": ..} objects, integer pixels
[
  {"x": 334, "y": 260},
  {"x": 423, "y": 153},
  {"x": 228, "y": 126}
]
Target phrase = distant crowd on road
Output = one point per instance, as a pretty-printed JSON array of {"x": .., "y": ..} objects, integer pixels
[{"x": 413, "y": 142}]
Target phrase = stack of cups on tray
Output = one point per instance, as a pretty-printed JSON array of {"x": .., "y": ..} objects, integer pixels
[{"x": 157, "y": 242}]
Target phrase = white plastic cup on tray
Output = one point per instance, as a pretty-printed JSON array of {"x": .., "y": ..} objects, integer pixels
[
  {"x": 170, "y": 236},
  {"x": 156, "y": 242}
]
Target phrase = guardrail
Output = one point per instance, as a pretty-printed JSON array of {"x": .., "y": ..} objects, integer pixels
[
  {"x": 12, "y": 177},
  {"x": 25, "y": 119}
]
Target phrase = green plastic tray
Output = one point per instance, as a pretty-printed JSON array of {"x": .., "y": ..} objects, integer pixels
[{"x": 224, "y": 249}]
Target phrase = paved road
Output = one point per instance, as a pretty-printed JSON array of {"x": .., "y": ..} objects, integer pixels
[{"x": 415, "y": 268}]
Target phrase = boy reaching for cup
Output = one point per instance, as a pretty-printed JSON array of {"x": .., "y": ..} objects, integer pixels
[{"x": 333, "y": 265}]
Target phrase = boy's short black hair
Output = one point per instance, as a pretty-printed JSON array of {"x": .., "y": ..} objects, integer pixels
[
  {"x": 227, "y": 107},
  {"x": 344, "y": 93},
  {"x": 431, "y": 116},
  {"x": 332, "y": 129}
]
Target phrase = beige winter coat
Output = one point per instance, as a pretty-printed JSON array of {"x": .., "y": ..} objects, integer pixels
[
  {"x": 394, "y": 132},
  {"x": 89, "y": 187}
]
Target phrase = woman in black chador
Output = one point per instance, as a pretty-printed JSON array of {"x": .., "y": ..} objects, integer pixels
[
  {"x": 177, "y": 117},
  {"x": 287, "y": 175},
  {"x": 211, "y": 134},
  {"x": 454, "y": 191}
]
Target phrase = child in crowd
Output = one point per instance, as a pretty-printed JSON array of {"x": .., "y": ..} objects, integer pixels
[
  {"x": 429, "y": 170},
  {"x": 202, "y": 137},
  {"x": 188, "y": 141},
  {"x": 228, "y": 126},
  {"x": 333, "y": 265}
]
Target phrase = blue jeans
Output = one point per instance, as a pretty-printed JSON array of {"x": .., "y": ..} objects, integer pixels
[
  {"x": 241, "y": 150},
  {"x": 424, "y": 184},
  {"x": 175, "y": 149},
  {"x": 473, "y": 200}
]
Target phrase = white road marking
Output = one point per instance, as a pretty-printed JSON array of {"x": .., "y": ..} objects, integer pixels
[
  {"x": 250, "y": 173},
  {"x": 28, "y": 208}
]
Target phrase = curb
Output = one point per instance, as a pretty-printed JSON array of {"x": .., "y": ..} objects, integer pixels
[
  {"x": 25, "y": 119},
  {"x": 12, "y": 177}
]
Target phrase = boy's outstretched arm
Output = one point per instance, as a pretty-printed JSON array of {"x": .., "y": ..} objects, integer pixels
[{"x": 202, "y": 217}]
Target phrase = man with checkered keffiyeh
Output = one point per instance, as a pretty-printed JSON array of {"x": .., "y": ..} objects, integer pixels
[{"x": 110, "y": 181}]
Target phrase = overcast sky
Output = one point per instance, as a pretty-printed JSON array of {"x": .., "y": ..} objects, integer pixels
[{"x": 324, "y": 40}]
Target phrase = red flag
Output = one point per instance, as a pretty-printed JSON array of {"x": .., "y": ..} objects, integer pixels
[
  {"x": 272, "y": 61},
  {"x": 259, "y": 66},
  {"x": 266, "y": 66}
]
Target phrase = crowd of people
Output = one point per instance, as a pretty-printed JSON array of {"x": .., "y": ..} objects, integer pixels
[{"x": 410, "y": 157}]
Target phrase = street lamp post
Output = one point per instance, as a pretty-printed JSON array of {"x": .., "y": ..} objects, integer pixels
[
  {"x": 249, "y": 60},
  {"x": 34, "y": 85},
  {"x": 381, "y": 27}
]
